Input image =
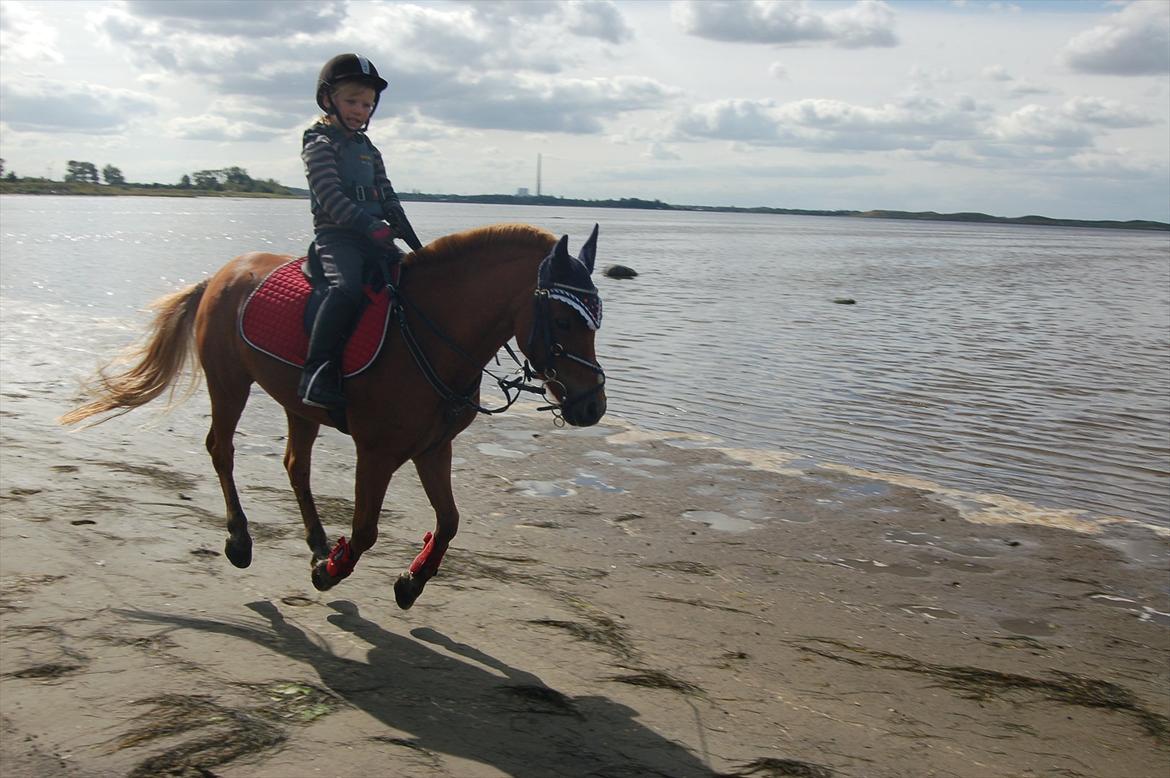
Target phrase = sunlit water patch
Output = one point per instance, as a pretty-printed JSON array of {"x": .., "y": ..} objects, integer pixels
[
  {"x": 594, "y": 482},
  {"x": 540, "y": 489},
  {"x": 720, "y": 521}
]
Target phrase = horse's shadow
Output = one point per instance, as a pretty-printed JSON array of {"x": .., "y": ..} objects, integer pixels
[{"x": 465, "y": 703}]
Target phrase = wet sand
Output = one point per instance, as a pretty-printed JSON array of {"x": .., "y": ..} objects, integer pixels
[{"x": 616, "y": 604}]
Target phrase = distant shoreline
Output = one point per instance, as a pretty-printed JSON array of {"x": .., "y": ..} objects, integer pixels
[{"x": 41, "y": 187}]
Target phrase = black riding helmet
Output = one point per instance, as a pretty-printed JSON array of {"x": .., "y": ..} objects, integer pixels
[{"x": 348, "y": 67}]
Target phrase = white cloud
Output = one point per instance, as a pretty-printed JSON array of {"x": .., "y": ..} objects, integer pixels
[
  {"x": 996, "y": 73},
  {"x": 930, "y": 76},
  {"x": 598, "y": 19},
  {"x": 907, "y": 124},
  {"x": 531, "y": 104},
  {"x": 158, "y": 44},
  {"x": 411, "y": 126},
  {"x": 959, "y": 130},
  {"x": 658, "y": 151},
  {"x": 212, "y": 127},
  {"x": 1024, "y": 88},
  {"x": 1016, "y": 88},
  {"x": 26, "y": 35},
  {"x": 242, "y": 109},
  {"x": 77, "y": 106},
  {"x": 1106, "y": 112},
  {"x": 247, "y": 19},
  {"x": 806, "y": 171},
  {"x": 1117, "y": 167},
  {"x": 1133, "y": 42},
  {"x": 738, "y": 120},
  {"x": 866, "y": 23},
  {"x": 821, "y": 124},
  {"x": 778, "y": 71},
  {"x": 1038, "y": 128},
  {"x": 482, "y": 36}
]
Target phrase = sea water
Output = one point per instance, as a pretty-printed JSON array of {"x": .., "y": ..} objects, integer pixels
[{"x": 1029, "y": 362}]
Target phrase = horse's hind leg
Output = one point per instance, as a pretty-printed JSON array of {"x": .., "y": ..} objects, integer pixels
[
  {"x": 434, "y": 471},
  {"x": 228, "y": 399},
  {"x": 298, "y": 461}
]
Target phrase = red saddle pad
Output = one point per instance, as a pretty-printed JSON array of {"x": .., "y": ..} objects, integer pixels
[{"x": 272, "y": 321}]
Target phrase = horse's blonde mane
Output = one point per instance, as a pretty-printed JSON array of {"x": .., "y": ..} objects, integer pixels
[{"x": 454, "y": 246}]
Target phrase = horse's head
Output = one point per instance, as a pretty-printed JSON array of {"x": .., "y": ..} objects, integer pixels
[{"x": 558, "y": 340}]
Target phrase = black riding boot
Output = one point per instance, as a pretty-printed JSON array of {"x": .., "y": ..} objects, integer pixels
[{"x": 321, "y": 381}]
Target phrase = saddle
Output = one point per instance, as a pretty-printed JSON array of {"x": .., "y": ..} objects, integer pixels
[{"x": 278, "y": 316}]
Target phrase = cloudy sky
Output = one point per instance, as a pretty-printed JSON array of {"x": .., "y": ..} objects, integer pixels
[{"x": 1035, "y": 106}]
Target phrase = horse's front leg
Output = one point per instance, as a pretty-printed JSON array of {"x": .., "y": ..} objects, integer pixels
[
  {"x": 375, "y": 465},
  {"x": 298, "y": 462},
  {"x": 434, "y": 471}
]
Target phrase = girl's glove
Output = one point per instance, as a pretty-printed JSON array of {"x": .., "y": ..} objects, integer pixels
[{"x": 381, "y": 233}]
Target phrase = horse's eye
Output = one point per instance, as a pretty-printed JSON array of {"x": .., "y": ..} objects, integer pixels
[{"x": 563, "y": 324}]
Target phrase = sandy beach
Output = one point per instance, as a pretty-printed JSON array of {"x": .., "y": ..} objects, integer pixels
[{"x": 618, "y": 603}]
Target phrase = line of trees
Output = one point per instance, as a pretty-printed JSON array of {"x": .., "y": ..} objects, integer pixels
[
  {"x": 86, "y": 172},
  {"x": 229, "y": 179}
]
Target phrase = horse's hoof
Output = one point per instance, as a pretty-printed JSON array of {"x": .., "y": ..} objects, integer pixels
[
  {"x": 322, "y": 581},
  {"x": 238, "y": 552},
  {"x": 407, "y": 589}
]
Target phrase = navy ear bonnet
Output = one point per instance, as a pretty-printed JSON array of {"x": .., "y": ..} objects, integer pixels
[{"x": 569, "y": 279}]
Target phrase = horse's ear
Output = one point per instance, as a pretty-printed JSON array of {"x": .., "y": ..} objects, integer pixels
[
  {"x": 589, "y": 250},
  {"x": 560, "y": 256}
]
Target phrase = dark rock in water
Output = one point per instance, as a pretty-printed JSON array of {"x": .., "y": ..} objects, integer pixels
[
  {"x": 845, "y": 301},
  {"x": 620, "y": 271}
]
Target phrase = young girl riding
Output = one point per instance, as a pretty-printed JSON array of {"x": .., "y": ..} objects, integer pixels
[{"x": 356, "y": 213}]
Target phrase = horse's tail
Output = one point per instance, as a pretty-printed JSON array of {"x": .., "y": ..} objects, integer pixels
[{"x": 153, "y": 364}]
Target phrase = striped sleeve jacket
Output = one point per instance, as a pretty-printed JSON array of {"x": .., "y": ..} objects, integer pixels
[{"x": 331, "y": 166}]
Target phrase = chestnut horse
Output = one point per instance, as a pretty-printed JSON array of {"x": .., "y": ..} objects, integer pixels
[{"x": 463, "y": 297}]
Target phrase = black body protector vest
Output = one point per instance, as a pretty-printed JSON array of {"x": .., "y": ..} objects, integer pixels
[{"x": 355, "y": 167}]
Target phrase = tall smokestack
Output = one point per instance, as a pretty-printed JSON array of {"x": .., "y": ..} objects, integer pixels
[{"x": 538, "y": 160}]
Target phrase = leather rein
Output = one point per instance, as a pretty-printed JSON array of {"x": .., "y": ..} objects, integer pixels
[{"x": 512, "y": 387}]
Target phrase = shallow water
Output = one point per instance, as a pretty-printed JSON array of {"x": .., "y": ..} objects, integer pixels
[{"x": 1022, "y": 361}]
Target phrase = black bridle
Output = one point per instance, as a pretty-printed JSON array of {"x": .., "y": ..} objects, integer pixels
[
  {"x": 543, "y": 369},
  {"x": 542, "y": 340}
]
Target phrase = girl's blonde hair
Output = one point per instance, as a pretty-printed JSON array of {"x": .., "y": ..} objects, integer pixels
[{"x": 346, "y": 89}]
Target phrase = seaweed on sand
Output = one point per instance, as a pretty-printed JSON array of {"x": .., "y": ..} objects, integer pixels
[
  {"x": 603, "y": 632},
  {"x": 771, "y": 767},
  {"x": 700, "y": 604},
  {"x": 978, "y": 683},
  {"x": 682, "y": 566},
  {"x": 229, "y": 733},
  {"x": 235, "y": 733},
  {"x": 657, "y": 679},
  {"x": 598, "y": 628},
  {"x": 50, "y": 670},
  {"x": 298, "y": 703}
]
